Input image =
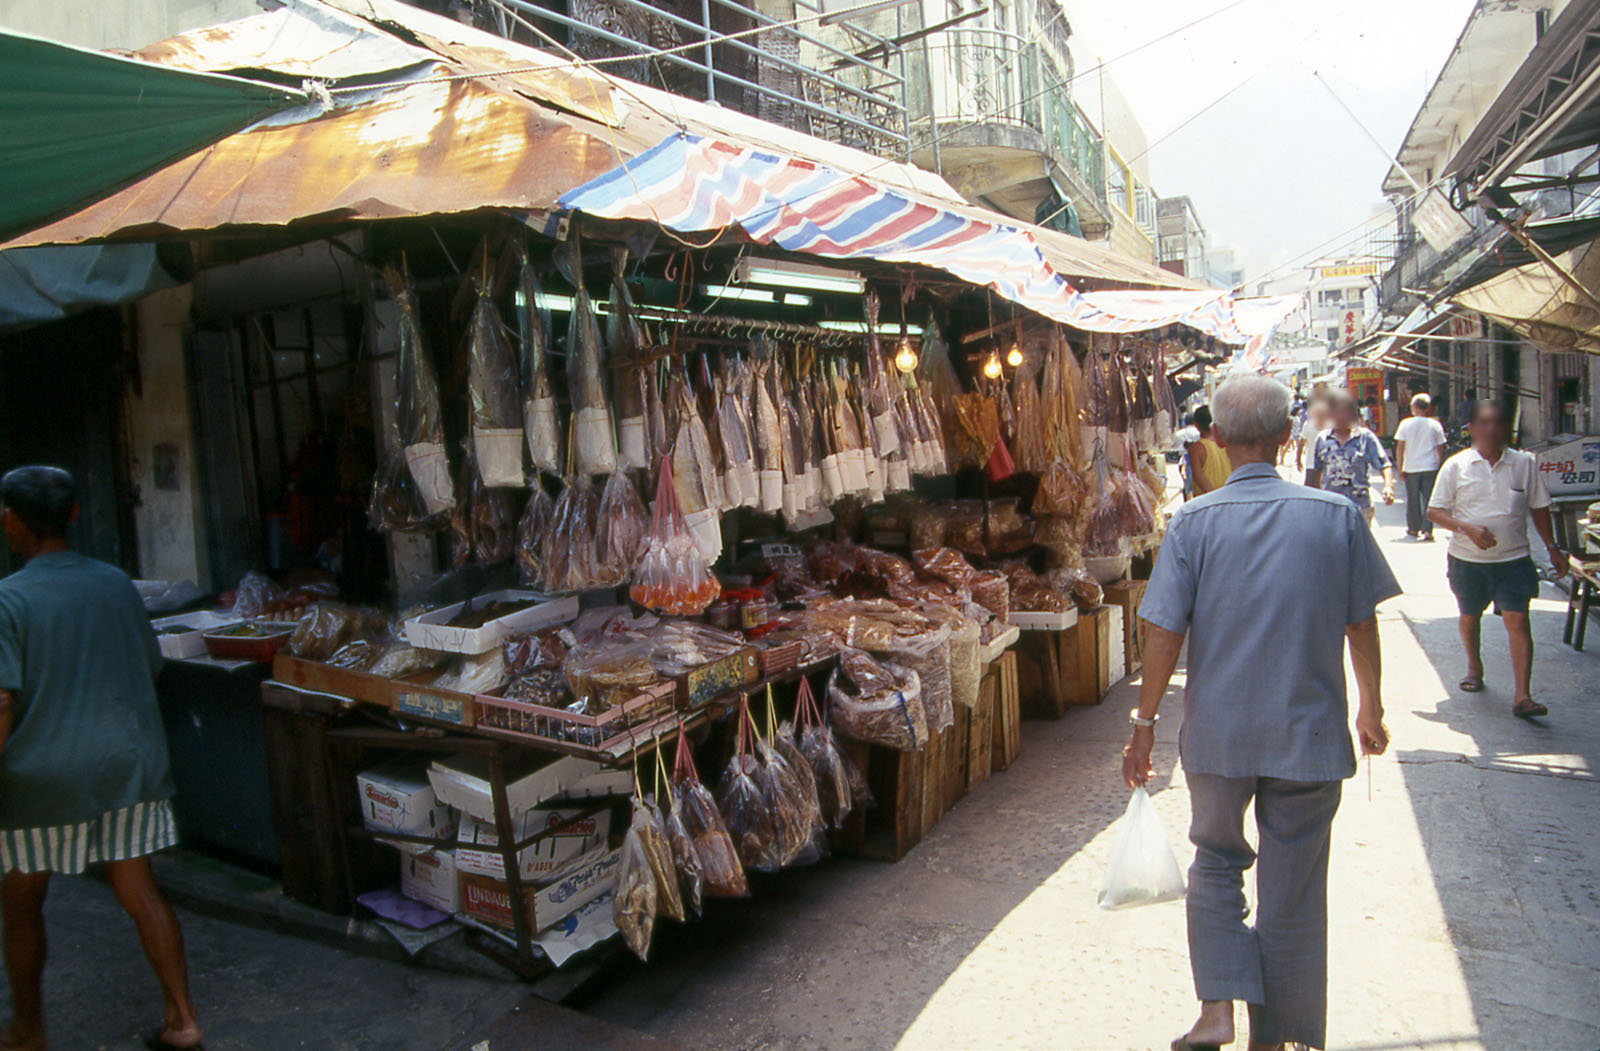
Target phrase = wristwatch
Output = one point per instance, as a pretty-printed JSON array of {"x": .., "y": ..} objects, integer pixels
[{"x": 1138, "y": 720}]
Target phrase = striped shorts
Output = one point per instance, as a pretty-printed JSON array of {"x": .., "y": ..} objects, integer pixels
[{"x": 117, "y": 835}]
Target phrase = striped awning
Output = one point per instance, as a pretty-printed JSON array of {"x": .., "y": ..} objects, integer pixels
[{"x": 698, "y": 185}]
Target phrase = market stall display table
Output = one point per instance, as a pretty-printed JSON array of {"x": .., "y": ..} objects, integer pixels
[{"x": 1060, "y": 669}]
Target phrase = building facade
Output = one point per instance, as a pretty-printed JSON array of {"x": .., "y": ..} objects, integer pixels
[{"x": 1180, "y": 238}]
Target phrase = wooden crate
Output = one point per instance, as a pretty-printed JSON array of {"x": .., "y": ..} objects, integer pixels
[
  {"x": 1059, "y": 669},
  {"x": 1128, "y": 594},
  {"x": 980, "y": 732},
  {"x": 955, "y": 758},
  {"x": 1007, "y": 733},
  {"x": 910, "y": 790}
]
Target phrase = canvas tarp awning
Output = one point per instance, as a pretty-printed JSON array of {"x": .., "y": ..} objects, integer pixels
[
  {"x": 76, "y": 124},
  {"x": 1537, "y": 304}
]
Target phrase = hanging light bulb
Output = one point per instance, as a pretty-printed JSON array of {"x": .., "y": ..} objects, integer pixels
[
  {"x": 905, "y": 359},
  {"x": 1014, "y": 356},
  {"x": 991, "y": 367}
]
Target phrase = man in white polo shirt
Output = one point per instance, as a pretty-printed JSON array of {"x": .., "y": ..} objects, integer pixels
[{"x": 1485, "y": 496}]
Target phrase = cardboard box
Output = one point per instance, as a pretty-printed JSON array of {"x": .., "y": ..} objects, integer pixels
[
  {"x": 431, "y": 631},
  {"x": 462, "y": 780},
  {"x": 398, "y": 797},
  {"x": 183, "y": 636},
  {"x": 430, "y": 876},
  {"x": 430, "y": 702},
  {"x": 478, "y": 843},
  {"x": 489, "y": 901},
  {"x": 699, "y": 685},
  {"x": 1040, "y": 620},
  {"x": 339, "y": 682}
]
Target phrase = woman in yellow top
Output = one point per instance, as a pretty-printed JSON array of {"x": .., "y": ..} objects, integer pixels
[{"x": 1209, "y": 465}]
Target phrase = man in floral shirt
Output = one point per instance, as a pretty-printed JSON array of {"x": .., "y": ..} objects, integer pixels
[{"x": 1345, "y": 455}]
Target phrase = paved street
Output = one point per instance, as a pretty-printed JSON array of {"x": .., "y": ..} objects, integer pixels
[
  {"x": 1465, "y": 904},
  {"x": 1466, "y": 911}
]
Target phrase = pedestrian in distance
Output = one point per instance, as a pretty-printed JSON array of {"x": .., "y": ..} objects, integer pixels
[
  {"x": 1346, "y": 454},
  {"x": 1314, "y": 420},
  {"x": 1208, "y": 460},
  {"x": 1266, "y": 718},
  {"x": 1187, "y": 435},
  {"x": 1485, "y": 496},
  {"x": 1419, "y": 449},
  {"x": 84, "y": 775}
]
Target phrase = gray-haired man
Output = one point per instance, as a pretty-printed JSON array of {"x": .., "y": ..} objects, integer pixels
[{"x": 1265, "y": 715}]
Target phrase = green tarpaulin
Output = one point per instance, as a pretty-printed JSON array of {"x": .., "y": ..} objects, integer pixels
[{"x": 76, "y": 124}]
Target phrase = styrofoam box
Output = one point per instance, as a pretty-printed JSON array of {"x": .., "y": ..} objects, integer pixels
[
  {"x": 431, "y": 631},
  {"x": 462, "y": 780},
  {"x": 991, "y": 651},
  {"x": 478, "y": 843},
  {"x": 1030, "y": 620},
  {"x": 182, "y": 645},
  {"x": 398, "y": 797},
  {"x": 1119, "y": 644},
  {"x": 428, "y": 875}
]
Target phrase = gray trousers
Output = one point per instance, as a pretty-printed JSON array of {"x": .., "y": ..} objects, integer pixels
[{"x": 1279, "y": 966}]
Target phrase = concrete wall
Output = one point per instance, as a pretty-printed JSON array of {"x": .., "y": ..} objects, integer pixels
[
  {"x": 168, "y": 522},
  {"x": 128, "y": 24}
]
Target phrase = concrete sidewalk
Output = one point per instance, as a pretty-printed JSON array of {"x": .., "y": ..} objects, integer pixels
[{"x": 1465, "y": 901}]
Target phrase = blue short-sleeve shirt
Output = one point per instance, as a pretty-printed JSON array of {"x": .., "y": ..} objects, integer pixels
[
  {"x": 1346, "y": 465},
  {"x": 1264, "y": 575},
  {"x": 77, "y": 654}
]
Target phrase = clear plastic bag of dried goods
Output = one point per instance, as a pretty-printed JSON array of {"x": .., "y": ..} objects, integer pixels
[
  {"x": 722, "y": 873},
  {"x": 417, "y": 414},
  {"x": 621, "y": 529},
  {"x": 571, "y": 549},
  {"x": 1143, "y": 869},
  {"x": 540, "y": 422},
  {"x": 946, "y": 564},
  {"x": 685, "y": 856},
  {"x": 496, "y": 415},
  {"x": 653, "y": 835},
  {"x": 532, "y": 531},
  {"x": 327, "y": 626},
  {"x": 592, "y": 433},
  {"x": 877, "y": 702},
  {"x": 745, "y": 808},
  {"x": 791, "y": 793},
  {"x": 830, "y": 775},
  {"x": 672, "y": 575},
  {"x": 634, "y": 908}
]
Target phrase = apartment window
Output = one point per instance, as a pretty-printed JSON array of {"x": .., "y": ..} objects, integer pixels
[
  {"x": 1144, "y": 209},
  {"x": 1333, "y": 335},
  {"x": 1117, "y": 185}
]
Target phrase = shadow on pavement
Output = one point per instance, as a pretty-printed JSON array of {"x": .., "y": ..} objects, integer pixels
[
  {"x": 1508, "y": 811},
  {"x": 853, "y": 950}
]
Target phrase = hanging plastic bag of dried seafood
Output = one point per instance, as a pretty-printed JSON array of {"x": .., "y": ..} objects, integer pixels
[
  {"x": 540, "y": 424},
  {"x": 417, "y": 414},
  {"x": 745, "y": 809},
  {"x": 722, "y": 874},
  {"x": 634, "y": 909},
  {"x": 595, "y": 439}
]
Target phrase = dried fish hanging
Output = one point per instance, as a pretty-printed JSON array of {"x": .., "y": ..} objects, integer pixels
[
  {"x": 766, "y": 427},
  {"x": 540, "y": 423},
  {"x": 417, "y": 413},
  {"x": 532, "y": 529},
  {"x": 481, "y": 524},
  {"x": 1031, "y": 446},
  {"x": 1166, "y": 408},
  {"x": 620, "y": 530},
  {"x": 586, "y": 385},
  {"x": 741, "y": 484},
  {"x": 879, "y": 398},
  {"x": 695, "y": 474},
  {"x": 496, "y": 417},
  {"x": 571, "y": 548},
  {"x": 395, "y": 502},
  {"x": 938, "y": 382},
  {"x": 625, "y": 343},
  {"x": 1142, "y": 423}
]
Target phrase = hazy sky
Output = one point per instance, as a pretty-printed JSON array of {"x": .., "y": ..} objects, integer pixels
[{"x": 1277, "y": 167}]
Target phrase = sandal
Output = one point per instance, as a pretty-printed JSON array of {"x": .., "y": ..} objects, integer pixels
[
  {"x": 1472, "y": 684},
  {"x": 1183, "y": 1044},
  {"x": 1528, "y": 708}
]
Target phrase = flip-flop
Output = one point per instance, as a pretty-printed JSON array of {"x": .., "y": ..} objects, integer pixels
[
  {"x": 1183, "y": 1044},
  {"x": 1472, "y": 684},
  {"x": 1532, "y": 709}
]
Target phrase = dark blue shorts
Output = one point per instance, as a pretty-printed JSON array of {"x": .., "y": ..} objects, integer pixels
[{"x": 1509, "y": 585}]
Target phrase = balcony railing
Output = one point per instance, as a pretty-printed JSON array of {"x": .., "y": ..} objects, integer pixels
[
  {"x": 855, "y": 101},
  {"x": 991, "y": 76}
]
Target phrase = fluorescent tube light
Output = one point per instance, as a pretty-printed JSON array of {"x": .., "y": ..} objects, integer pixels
[{"x": 786, "y": 275}]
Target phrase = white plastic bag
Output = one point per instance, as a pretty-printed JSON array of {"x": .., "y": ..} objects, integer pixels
[{"x": 1143, "y": 869}]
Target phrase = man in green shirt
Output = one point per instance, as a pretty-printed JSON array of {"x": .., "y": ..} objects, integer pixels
[{"x": 84, "y": 776}]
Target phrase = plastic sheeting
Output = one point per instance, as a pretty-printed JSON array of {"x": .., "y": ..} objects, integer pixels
[{"x": 50, "y": 282}]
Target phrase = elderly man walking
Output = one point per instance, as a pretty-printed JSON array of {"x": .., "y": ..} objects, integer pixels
[{"x": 1265, "y": 715}]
